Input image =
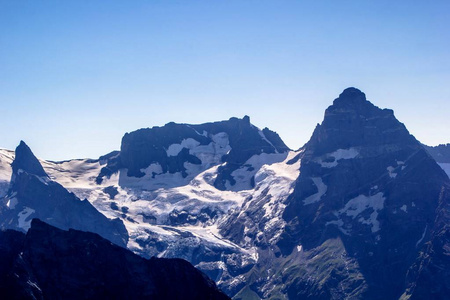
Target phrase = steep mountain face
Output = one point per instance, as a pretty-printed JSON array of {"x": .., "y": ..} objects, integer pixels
[
  {"x": 187, "y": 150},
  {"x": 429, "y": 276},
  {"x": 32, "y": 194},
  {"x": 49, "y": 263},
  {"x": 365, "y": 181}
]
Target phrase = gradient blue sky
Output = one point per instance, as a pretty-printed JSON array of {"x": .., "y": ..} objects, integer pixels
[{"x": 76, "y": 75}]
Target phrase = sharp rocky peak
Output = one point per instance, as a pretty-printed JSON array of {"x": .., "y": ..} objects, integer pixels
[
  {"x": 353, "y": 121},
  {"x": 351, "y": 97},
  {"x": 354, "y": 102},
  {"x": 26, "y": 161}
]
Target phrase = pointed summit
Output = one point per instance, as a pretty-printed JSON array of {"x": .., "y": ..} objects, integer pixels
[
  {"x": 32, "y": 194},
  {"x": 26, "y": 161},
  {"x": 350, "y": 95},
  {"x": 353, "y": 121},
  {"x": 366, "y": 180},
  {"x": 352, "y": 101}
]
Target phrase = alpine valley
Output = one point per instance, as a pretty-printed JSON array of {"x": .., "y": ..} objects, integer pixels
[{"x": 361, "y": 211}]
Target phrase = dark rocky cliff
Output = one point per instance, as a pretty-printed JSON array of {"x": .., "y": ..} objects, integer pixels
[{"x": 49, "y": 263}]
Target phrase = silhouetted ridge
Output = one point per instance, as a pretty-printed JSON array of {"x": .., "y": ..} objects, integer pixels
[
  {"x": 353, "y": 121},
  {"x": 49, "y": 263}
]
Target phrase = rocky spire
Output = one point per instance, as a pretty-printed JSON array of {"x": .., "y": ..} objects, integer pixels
[
  {"x": 26, "y": 161},
  {"x": 353, "y": 121}
]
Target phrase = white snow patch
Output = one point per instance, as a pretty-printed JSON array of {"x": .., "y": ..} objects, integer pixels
[
  {"x": 45, "y": 180},
  {"x": 153, "y": 168},
  {"x": 12, "y": 202},
  {"x": 356, "y": 206},
  {"x": 263, "y": 136},
  {"x": 423, "y": 236},
  {"x": 404, "y": 208},
  {"x": 23, "y": 215},
  {"x": 392, "y": 174},
  {"x": 251, "y": 167},
  {"x": 175, "y": 149},
  {"x": 322, "y": 189},
  {"x": 74, "y": 174},
  {"x": 277, "y": 180},
  {"x": 338, "y": 155},
  {"x": 6, "y": 158}
]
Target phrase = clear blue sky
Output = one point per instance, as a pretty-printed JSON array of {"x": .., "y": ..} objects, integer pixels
[{"x": 76, "y": 75}]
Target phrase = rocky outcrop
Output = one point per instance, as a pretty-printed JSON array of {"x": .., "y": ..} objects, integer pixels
[{"x": 49, "y": 263}]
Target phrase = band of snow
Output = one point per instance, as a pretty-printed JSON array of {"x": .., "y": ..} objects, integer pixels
[
  {"x": 322, "y": 189},
  {"x": 174, "y": 149},
  {"x": 423, "y": 236},
  {"x": 338, "y": 155},
  {"x": 263, "y": 136},
  {"x": 244, "y": 174},
  {"x": 23, "y": 216},
  {"x": 357, "y": 205}
]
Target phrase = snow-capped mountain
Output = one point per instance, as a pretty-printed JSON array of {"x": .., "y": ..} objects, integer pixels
[
  {"x": 177, "y": 212},
  {"x": 157, "y": 154},
  {"x": 370, "y": 188},
  {"x": 32, "y": 194},
  {"x": 361, "y": 211}
]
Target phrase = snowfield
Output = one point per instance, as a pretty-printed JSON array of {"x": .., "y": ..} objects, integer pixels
[{"x": 168, "y": 215}]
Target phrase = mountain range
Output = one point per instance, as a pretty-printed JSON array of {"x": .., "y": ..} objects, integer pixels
[{"x": 361, "y": 211}]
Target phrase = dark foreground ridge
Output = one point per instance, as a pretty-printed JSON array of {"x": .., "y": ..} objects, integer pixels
[{"x": 50, "y": 263}]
